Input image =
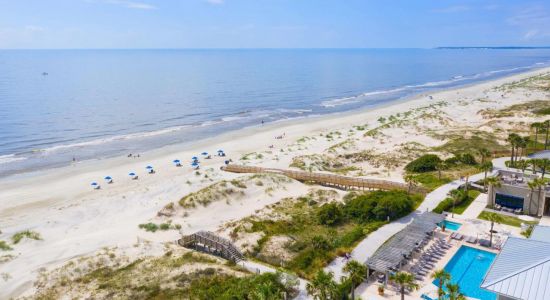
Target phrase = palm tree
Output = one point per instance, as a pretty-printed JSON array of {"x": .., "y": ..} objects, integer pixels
[
  {"x": 523, "y": 142},
  {"x": 537, "y": 183},
  {"x": 483, "y": 153},
  {"x": 264, "y": 291},
  {"x": 442, "y": 278},
  {"x": 457, "y": 195},
  {"x": 485, "y": 167},
  {"x": 534, "y": 162},
  {"x": 357, "y": 272},
  {"x": 440, "y": 166},
  {"x": 543, "y": 164},
  {"x": 546, "y": 125},
  {"x": 522, "y": 164},
  {"x": 493, "y": 218},
  {"x": 411, "y": 181},
  {"x": 536, "y": 126},
  {"x": 454, "y": 292},
  {"x": 404, "y": 280},
  {"x": 492, "y": 182},
  {"x": 323, "y": 286},
  {"x": 513, "y": 140}
]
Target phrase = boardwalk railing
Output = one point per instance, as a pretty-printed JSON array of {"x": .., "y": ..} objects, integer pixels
[
  {"x": 209, "y": 242},
  {"x": 339, "y": 181}
]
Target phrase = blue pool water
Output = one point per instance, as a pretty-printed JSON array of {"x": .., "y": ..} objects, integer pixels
[
  {"x": 467, "y": 268},
  {"x": 451, "y": 225}
]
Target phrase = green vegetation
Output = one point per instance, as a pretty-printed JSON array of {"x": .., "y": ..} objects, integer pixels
[
  {"x": 504, "y": 219},
  {"x": 29, "y": 234},
  {"x": 471, "y": 142},
  {"x": 171, "y": 276},
  {"x": 425, "y": 163},
  {"x": 4, "y": 246},
  {"x": 152, "y": 227},
  {"x": 318, "y": 233},
  {"x": 462, "y": 201},
  {"x": 543, "y": 111},
  {"x": 230, "y": 190},
  {"x": 321, "y": 162},
  {"x": 431, "y": 180}
]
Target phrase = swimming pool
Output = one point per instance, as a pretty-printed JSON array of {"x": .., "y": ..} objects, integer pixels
[
  {"x": 467, "y": 268},
  {"x": 450, "y": 225}
]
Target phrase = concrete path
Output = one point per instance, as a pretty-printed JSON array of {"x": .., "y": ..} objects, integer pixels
[
  {"x": 476, "y": 207},
  {"x": 373, "y": 241},
  {"x": 258, "y": 268}
]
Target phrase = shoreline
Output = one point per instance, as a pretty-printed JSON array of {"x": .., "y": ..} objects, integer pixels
[
  {"x": 208, "y": 137},
  {"x": 253, "y": 129},
  {"x": 75, "y": 220}
]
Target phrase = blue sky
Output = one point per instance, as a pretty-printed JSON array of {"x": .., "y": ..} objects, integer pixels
[{"x": 272, "y": 23}]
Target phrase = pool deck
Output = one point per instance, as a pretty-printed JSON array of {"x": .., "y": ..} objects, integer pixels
[{"x": 470, "y": 227}]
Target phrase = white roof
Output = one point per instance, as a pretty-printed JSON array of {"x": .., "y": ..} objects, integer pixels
[
  {"x": 521, "y": 270},
  {"x": 541, "y": 233}
]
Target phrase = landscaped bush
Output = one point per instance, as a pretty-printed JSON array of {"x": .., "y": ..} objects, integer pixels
[
  {"x": 467, "y": 159},
  {"x": 425, "y": 163},
  {"x": 461, "y": 203},
  {"x": 151, "y": 227},
  {"x": 379, "y": 205},
  {"x": 330, "y": 214}
]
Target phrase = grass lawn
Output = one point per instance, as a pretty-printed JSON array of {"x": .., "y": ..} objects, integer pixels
[
  {"x": 461, "y": 207},
  {"x": 431, "y": 180},
  {"x": 508, "y": 220}
]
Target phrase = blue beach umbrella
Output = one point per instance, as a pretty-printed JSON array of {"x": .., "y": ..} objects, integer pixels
[
  {"x": 108, "y": 178},
  {"x": 148, "y": 167},
  {"x": 132, "y": 174},
  {"x": 94, "y": 184},
  {"x": 194, "y": 163},
  {"x": 204, "y": 153},
  {"x": 194, "y": 158},
  {"x": 220, "y": 151},
  {"x": 177, "y": 161}
]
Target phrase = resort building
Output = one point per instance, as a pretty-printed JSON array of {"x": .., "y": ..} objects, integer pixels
[
  {"x": 514, "y": 195},
  {"x": 522, "y": 268}
]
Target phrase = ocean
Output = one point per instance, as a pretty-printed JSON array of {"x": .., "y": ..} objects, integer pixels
[{"x": 56, "y": 105}]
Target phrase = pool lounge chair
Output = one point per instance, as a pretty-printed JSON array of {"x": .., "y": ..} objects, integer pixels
[
  {"x": 471, "y": 239},
  {"x": 453, "y": 235}
]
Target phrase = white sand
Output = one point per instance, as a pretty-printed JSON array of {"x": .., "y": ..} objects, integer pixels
[{"x": 75, "y": 220}]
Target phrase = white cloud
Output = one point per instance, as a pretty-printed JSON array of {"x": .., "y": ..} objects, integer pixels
[{"x": 534, "y": 21}]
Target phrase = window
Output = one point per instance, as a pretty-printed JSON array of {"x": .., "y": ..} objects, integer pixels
[{"x": 509, "y": 201}]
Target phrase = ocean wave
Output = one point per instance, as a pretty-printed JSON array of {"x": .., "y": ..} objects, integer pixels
[{"x": 5, "y": 159}]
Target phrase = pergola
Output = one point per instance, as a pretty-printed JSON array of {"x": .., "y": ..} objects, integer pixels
[{"x": 392, "y": 253}]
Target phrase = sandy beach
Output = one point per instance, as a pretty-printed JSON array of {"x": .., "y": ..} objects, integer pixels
[{"x": 74, "y": 220}]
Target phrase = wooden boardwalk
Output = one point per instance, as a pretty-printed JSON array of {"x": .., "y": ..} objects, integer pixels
[
  {"x": 209, "y": 242},
  {"x": 338, "y": 181}
]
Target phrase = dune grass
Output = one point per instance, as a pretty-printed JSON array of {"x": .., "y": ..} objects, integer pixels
[
  {"x": 4, "y": 246},
  {"x": 29, "y": 234}
]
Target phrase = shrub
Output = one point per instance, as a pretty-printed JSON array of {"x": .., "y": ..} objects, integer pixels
[
  {"x": 330, "y": 214},
  {"x": 151, "y": 227},
  {"x": 379, "y": 205},
  {"x": 4, "y": 246},
  {"x": 164, "y": 226},
  {"x": 425, "y": 163},
  {"x": 467, "y": 159}
]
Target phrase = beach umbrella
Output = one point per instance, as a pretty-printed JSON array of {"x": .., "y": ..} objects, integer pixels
[
  {"x": 95, "y": 185},
  {"x": 108, "y": 178},
  {"x": 194, "y": 158},
  {"x": 205, "y": 153},
  {"x": 148, "y": 167},
  {"x": 177, "y": 161},
  {"x": 194, "y": 163},
  {"x": 220, "y": 150}
]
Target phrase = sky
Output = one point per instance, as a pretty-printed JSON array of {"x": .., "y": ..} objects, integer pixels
[{"x": 55, "y": 24}]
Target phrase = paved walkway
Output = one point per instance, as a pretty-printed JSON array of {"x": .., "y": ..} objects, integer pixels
[
  {"x": 373, "y": 241},
  {"x": 258, "y": 268},
  {"x": 476, "y": 207}
]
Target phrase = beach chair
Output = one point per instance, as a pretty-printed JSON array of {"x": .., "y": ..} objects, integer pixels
[{"x": 453, "y": 235}]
